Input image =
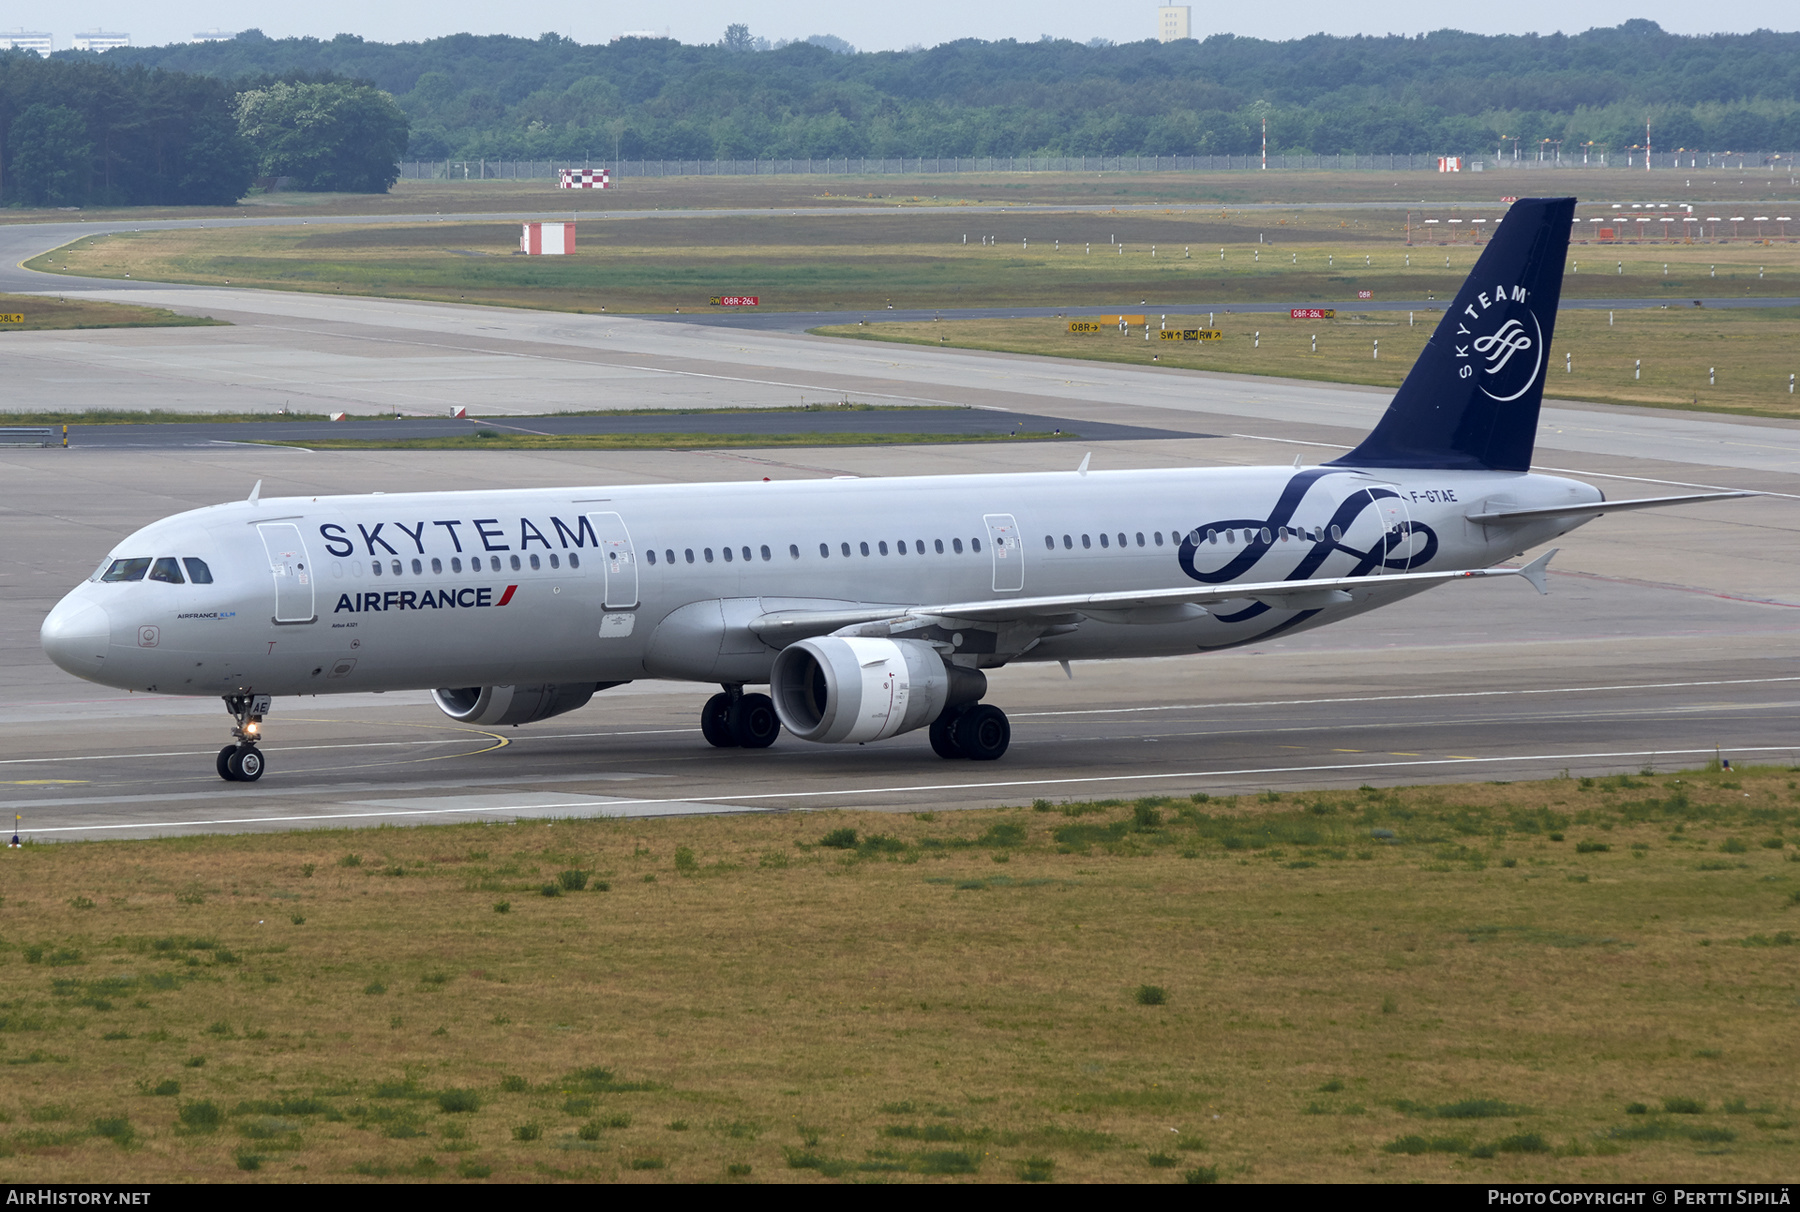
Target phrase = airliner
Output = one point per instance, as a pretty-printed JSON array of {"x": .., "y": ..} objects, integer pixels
[{"x": 867, "y": 607}]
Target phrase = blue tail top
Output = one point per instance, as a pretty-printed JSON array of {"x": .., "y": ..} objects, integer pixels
[{"x": 1471, "y": 400}]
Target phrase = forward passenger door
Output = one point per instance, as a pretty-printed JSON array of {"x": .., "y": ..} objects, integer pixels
[{"x": 293, "y": 572}]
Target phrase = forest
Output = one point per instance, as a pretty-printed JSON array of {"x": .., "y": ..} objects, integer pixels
[{"x": 1441, "y": 92}]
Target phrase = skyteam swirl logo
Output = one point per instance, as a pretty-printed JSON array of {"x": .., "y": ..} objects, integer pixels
[
  {"x": 1400, "y": 547},
  {"x": 1505, "y": 350}
]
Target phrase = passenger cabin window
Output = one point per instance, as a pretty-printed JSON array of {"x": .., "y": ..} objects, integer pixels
[
  {"x": 397, "y": 569},
  {"x": 1336, "y": 534},
  {"x": 375, "y": 567},
  {"x": 746, "y": 555},
  {"x": 167, "y": 570},
  {"x": 865, "y": 548},
  {"x": 515, "y": 563},
  {"x": 975, "y": 545},
  {"x": 534, "y": 562},
  {"x": 1159, "y": 538},
  {"x": 1086, "y": 542},
  {"x": 824, "y": 551},
  {"x": 648, "y": 555},
  {"x": 455, "y": 563},
  {"x": 765, "y": 553},
  {"x": 556, "y": 563},
  {"x": 956, "y": 546},
  {"x": 883, "y": 546},
  {"x": 127, "y": 570},
  {"x": 689, "y": 552},
  {"x": 418, "y": 568},
  {"x": 197, "y": 570},
  {"x": 707, "y": 552},
  {"x": 575, "y": 560},
  {"x": 794, "y": 550},
  {"x": 728, "y": 555},
  {"x": 846, "y": 549},
  {"x": 939, "y": 545},
  {"x": 1103, "y": 541},
  {"x": 1049, "y": 543},
  {"x": 437, "y": 566},
  {"x": 668, "y": 556}
]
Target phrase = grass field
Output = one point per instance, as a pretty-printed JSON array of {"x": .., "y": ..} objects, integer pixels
[
  {"x": 1571, "y": 980},
  {"x": 865, "y": 262},
  {"x": 1023, "y": 188},
  {"x": 42, "y": 313},
  {"x": 1736, "y": 361}
]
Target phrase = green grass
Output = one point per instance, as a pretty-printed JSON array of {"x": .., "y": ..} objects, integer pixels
[
  {"x": 1735, "y": 361},
  {"x": 43, "y": 313},
  {"x": 889, "y": 1007}
]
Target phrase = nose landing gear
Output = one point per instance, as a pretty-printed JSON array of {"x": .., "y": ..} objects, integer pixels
[{"x": 242, "y": 761}]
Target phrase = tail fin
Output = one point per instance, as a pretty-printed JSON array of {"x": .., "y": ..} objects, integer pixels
[{"x": 1471, "y": 400}]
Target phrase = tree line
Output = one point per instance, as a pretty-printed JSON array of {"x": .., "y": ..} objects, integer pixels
[
  {"x": 198, "y": 123},
  {"x": 1448, "y": 92},
  {"x": 83, "y": 132}
]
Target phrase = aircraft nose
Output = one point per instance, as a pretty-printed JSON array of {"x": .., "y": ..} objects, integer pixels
[{"x": 75, "y": 636}]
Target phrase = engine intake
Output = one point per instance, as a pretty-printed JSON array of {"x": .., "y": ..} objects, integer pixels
[
  {"x": 496, "y": 705},
  {"x": 847, "y": 689}
]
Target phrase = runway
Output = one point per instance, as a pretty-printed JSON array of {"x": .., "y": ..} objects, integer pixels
[{"x": 1666, "y": 633}]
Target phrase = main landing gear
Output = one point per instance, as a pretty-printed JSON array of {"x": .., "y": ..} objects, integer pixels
[
  {"x": 735, "y": 720},
  {"x": 241, "y": 761},
  {"x": 979, "y": 731}
]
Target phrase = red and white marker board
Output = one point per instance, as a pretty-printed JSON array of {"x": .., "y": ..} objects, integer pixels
[
  {"x": 547, "y": 239},
  {"x": 583, "y": 178}
]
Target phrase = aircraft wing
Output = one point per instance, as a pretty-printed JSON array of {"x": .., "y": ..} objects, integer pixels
[
  {"x": 1596, "y": 508},
  {"x": 1128, "y": 606}
]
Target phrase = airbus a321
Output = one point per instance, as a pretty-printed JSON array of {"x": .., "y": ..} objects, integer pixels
[{"x": 868, "y": 608}]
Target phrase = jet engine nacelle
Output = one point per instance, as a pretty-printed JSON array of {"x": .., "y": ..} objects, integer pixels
[
  {"x": 495, "y": 705},
  {"x": 851, "y": 689}
]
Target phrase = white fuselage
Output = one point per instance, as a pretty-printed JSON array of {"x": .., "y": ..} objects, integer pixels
[{"x": 425, "y": 590}]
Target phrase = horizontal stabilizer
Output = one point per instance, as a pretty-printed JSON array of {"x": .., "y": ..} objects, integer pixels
[
  {"x": 1536, "y": 570},
  {"x": 1596, "y": 508}
]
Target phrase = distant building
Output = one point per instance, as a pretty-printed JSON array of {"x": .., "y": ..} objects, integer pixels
[
  {"x": 23, "y": 40},
  {"x": 215, "y": 35},
  {"x": 1173, "y": 22},
  {"x": 99, "y": 40}
]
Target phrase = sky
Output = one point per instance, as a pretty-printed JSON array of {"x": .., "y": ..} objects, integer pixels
[{"x": 868, "y": 27}]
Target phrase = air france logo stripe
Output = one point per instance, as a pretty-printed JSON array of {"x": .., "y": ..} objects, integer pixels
[{"x": 421, "y": 599}]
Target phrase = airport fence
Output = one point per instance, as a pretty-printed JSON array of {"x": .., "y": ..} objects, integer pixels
[{"x": 496, "y": 169}]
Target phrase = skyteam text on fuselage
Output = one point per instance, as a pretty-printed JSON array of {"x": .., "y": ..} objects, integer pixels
[{"x": 868, "y": 607}]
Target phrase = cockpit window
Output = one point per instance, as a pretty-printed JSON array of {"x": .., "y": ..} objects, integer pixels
[
  {"x": 127, "y": 570},
  {"x": 166, "y": 569},
  {"x": 198, "y": 572}
]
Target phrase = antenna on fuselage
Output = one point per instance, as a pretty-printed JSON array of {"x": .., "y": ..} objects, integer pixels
[
  {"x": 1082, "y": 470},
  {"x": 256, "y": 492}
]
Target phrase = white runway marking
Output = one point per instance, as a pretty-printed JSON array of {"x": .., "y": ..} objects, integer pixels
[
  {"x": 704, "y": 804},
  {"x": 565, "y": 736},
  {"x": 1398, "y": 698}
]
